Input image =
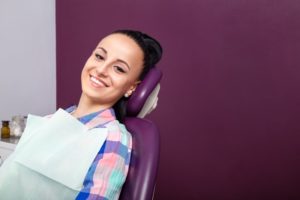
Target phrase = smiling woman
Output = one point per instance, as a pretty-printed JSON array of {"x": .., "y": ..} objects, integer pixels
[
  {"x": 111, "y": 72},
  {"x": 88, "y": 137}
]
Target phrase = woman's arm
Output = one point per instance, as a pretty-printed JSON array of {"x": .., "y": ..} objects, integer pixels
[{"x": 108, "y": 171}]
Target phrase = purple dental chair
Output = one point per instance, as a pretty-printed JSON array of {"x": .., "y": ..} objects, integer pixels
[{"x": 140, "y": 182}]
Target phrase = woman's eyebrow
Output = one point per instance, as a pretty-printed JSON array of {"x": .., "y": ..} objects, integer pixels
[
  {"x": 122, "y": 61},
  {"x": 102, "y": 49}
]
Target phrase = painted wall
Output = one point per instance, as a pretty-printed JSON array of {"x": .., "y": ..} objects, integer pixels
[
  {"x": 229, "y": 105},
  {"x": 27, "y": 57}
]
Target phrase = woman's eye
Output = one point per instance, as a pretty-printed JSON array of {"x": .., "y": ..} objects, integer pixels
[
  {"x": 119, "y": 69},
  {"x": 99, "y": 57}
]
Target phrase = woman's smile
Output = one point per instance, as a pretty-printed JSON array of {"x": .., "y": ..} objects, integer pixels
[{"x": 98, "y": 83}]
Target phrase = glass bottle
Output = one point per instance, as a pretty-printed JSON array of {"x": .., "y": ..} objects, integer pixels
[{"x": 5, "y": 131}]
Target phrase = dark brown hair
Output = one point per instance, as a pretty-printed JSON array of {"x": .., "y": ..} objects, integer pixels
[{"x": 152, "y": 51}]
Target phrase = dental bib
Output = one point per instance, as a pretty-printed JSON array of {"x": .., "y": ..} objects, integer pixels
[{"x": 51, "y": 159}]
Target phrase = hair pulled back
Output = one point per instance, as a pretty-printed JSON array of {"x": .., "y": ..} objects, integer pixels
[{"x": 152, "y": 52}]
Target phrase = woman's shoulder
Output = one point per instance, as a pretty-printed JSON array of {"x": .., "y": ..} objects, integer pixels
[{"x": 118, "y": 132}]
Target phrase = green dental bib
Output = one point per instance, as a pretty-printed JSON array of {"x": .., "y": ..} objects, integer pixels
[{"x": 51, "y": 159}]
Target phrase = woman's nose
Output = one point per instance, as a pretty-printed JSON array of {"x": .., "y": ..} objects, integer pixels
[{"x": 102, "y": 69}]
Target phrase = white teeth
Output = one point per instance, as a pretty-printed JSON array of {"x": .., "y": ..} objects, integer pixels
[{"x": 96, "y": 81}]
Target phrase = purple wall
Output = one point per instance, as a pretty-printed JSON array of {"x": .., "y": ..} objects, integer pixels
[{"x": 230, "y": 102}]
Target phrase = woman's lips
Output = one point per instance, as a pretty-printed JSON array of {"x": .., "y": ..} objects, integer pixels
[{"x": 97, "y": 82}]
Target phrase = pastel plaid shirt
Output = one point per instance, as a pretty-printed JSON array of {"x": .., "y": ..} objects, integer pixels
[{"x": 108, "y": 171}]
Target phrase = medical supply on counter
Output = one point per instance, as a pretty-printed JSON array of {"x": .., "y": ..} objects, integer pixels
[
  {"x": 17, "y": 125},
  {"x": 5, "y": 130}
]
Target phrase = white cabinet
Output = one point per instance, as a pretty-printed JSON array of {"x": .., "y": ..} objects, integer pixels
[{"x": 7, "y": 146}]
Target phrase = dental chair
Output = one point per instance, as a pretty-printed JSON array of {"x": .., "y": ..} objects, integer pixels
[{"x": 140, "y": 182}]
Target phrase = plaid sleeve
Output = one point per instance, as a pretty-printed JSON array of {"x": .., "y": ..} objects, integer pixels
[{"x": 108, "y": 171}]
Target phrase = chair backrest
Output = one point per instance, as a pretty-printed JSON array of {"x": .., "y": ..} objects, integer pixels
[{"x": 140, "y": 182}]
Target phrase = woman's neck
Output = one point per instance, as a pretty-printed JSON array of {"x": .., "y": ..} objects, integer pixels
[{"x": 87, "y": 106}]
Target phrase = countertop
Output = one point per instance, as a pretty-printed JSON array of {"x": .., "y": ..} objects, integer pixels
[{"x": 9, "y": 142}]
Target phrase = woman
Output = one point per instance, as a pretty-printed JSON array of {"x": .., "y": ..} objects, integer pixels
[{"x": 90, "y": 161}]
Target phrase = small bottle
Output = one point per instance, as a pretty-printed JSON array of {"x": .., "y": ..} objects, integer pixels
[{"x": 5, "y": 131}]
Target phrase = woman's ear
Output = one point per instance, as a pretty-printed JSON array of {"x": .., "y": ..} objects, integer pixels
[{"x": 132, "y": 89}]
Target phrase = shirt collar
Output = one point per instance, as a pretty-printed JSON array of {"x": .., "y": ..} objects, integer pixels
[{"x": 96, "y": 119}]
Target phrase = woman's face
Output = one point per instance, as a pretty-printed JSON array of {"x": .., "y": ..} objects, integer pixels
[{"x": 112, "y": 70}]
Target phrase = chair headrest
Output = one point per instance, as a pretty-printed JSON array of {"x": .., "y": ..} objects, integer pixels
[{"x": 144, "y": 98}]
